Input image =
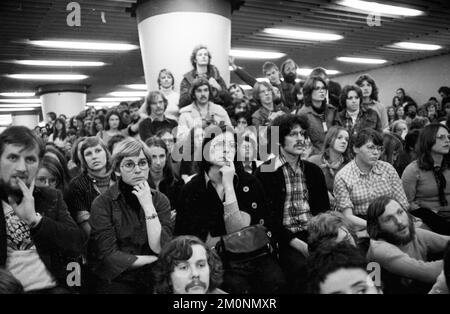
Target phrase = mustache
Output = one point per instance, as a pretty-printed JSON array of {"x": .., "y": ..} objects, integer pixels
[{"x": 195, "y": 283}]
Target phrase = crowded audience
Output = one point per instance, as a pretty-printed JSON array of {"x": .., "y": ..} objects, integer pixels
[{"x": 293, "y": 186}]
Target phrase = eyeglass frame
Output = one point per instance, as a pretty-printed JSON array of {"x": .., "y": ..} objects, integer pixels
[
  {"x": 134, "y": 165},
  {"x": 372, "y": 149}
]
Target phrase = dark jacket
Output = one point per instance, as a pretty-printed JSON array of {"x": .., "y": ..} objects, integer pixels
[
  {"x": 201, "y": 210},
  {"x": 148, "y": 128},
  {"x": 119, "y": 232},
  {"x": 222, "y": 98},
  {"x": 272, "y": 179},
  {"x": 367, "y": 118},
  {"x": 57, "y": 238},
  {"x": 80, "y": 194}
]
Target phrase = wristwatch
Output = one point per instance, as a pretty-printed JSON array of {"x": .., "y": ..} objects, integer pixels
[{"x": 151, "y": 217}]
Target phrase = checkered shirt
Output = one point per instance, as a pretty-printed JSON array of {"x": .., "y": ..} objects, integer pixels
[
  {"x": 356, "y": 190},
  {"x": 296, "y": 213}
]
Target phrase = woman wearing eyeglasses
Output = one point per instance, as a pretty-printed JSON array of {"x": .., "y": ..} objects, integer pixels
[
  {"x": 320, "y": 114},
  {"x": 366, "y": 178},
  {"x": 130, "y": 223},
  {"x": 51, "y": 174},
  {"x": 427, "y": 180}
]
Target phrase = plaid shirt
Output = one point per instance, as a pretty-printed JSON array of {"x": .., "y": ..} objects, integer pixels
[
  {"x": 296, "y": 213},
  {"x": 356, "y": 190}
]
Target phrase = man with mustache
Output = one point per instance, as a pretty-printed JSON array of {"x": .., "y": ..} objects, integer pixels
[
  {"x": 296, "y": 191},
  {"x": 187, "y": 266},
  {"x": 37, "y": 233},
  {"x": 401, "y": 249},
  {"x": 201, "y": 112}
]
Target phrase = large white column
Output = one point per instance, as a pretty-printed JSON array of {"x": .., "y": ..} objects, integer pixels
[
  {"x": 62, "y": 99},
  {"x": 170, "y": 29}
]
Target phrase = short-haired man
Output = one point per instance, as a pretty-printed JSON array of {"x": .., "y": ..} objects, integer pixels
[
  {"x": 37, "y": 233},
  {"x": 402, "y": 249},
  {"x": 187, "y": 266},
  {"x": 136, "y": 118},
  {"x": 339, "y": 269},
  {"x": 296, "y": 191},
  {"x": 201, "y": 112}
]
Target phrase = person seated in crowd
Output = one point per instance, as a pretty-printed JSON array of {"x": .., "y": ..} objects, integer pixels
[
  {"x": 51, "y": 174},
  {"x": 130, "y": 223},
  {"x": 238, "y": 107},
  {"x": 114, "y": 141},
  {"x": 320, "y": 114},
  {"x": 356, "y": 115},
  {"x": 113, "y": 126},
  {"x": 59, "y": 136},
  {"x": 401, "y": 249},
  {"x": 168, "y": 137},
  {"x": 299, "y": 97},
  {"x": 9, "y": 284},
  {"x": 392, "y": 148},
  {"x": 391, "y": 114},
  {"x": 263, "y": 94},
  {"x": 186, "y": 265},
  {"x": 94, "y": 180},
  {"x": 400, "y": 92},
  {"x": 202, "y": 112},
  {"x": 365, "y": 178},
  {"x": 202, "y": 68},
  {"x": 74, "y": 164},
  {"x": 339, "y": 269},
  {"x": 189, "y": 154},
  {"x": 296, "y": 191},
  {"x": 121, "y": 107},
  {"x": 166, "y": 84},
  {"x": 426, "y": 181},
  {"x": 432, "y": 113},
  {"x": 53, "y": 152},
  {"x": 51, "y": 118},
  {"x": 248, "y": 152},
  {"x": 38, "y": 237},
  {"x": 396, "y": 102},
  {"x": 161, "y": 177},
  {"x": 328, "y": 227},
  {"x": 87, "y": 126},
  {"x": 156, "y": 105},
  {"x": 223, "y": 199},
  {"x": 410, "y": 109},
  {"x": 399, "y": 128},
  {"x": 136, "y": 117},
  {"x": 335, "y": 155},
  {"x": 98, "y": 125},
  {"x": 370, "y": 98},
  {"x": 409, "y": 154},
  {"x": 399, "y": 113}
]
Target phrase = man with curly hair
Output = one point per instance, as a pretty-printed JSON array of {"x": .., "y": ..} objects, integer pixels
[{"x": 187, "y": 266}]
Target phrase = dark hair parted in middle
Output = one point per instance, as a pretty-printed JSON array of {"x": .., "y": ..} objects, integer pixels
[
  {"x": 308, "y": 89},
  {"x": 427, "y": 138},
  {"x": 366, "y": 135},
  {"x": 370, "y": 80},
  {"x": 286, "y": 123},
  {"x": 179, "y": 250}
]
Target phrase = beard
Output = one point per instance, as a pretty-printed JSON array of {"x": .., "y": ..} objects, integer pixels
[
  {"x": 399, "y": 240},
  {"x": 6, "y": 190},
  {"x": 290, "y": 77}
]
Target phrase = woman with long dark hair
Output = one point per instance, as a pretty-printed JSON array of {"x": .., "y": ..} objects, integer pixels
[
  {"x": 427, "y": 180},
  {"x": 320, "y": 114},
  {"x": 59, "y": 137},
  {"x": 113, "y": 125}
]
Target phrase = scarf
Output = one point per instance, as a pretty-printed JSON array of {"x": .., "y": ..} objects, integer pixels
[
  {"x": 441, "y": 182},
  {"x": 334, "y": 166},
  {"x": 130, "y": 198}
]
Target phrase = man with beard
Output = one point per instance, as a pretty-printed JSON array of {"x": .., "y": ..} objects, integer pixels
[
  {"x": 296, "y": 191},
  {"x": 187, "y": 266},
  {"x": 37, "y": 233},
  {"x": 401, "y": 249},
  {"x": 136, "y": 118}
]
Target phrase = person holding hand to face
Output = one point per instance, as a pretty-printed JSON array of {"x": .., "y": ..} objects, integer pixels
[
  {"x": 130, "y": 223},
  {"x": 222, "y": 199},
  {"x": 37, "y": 234}
]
